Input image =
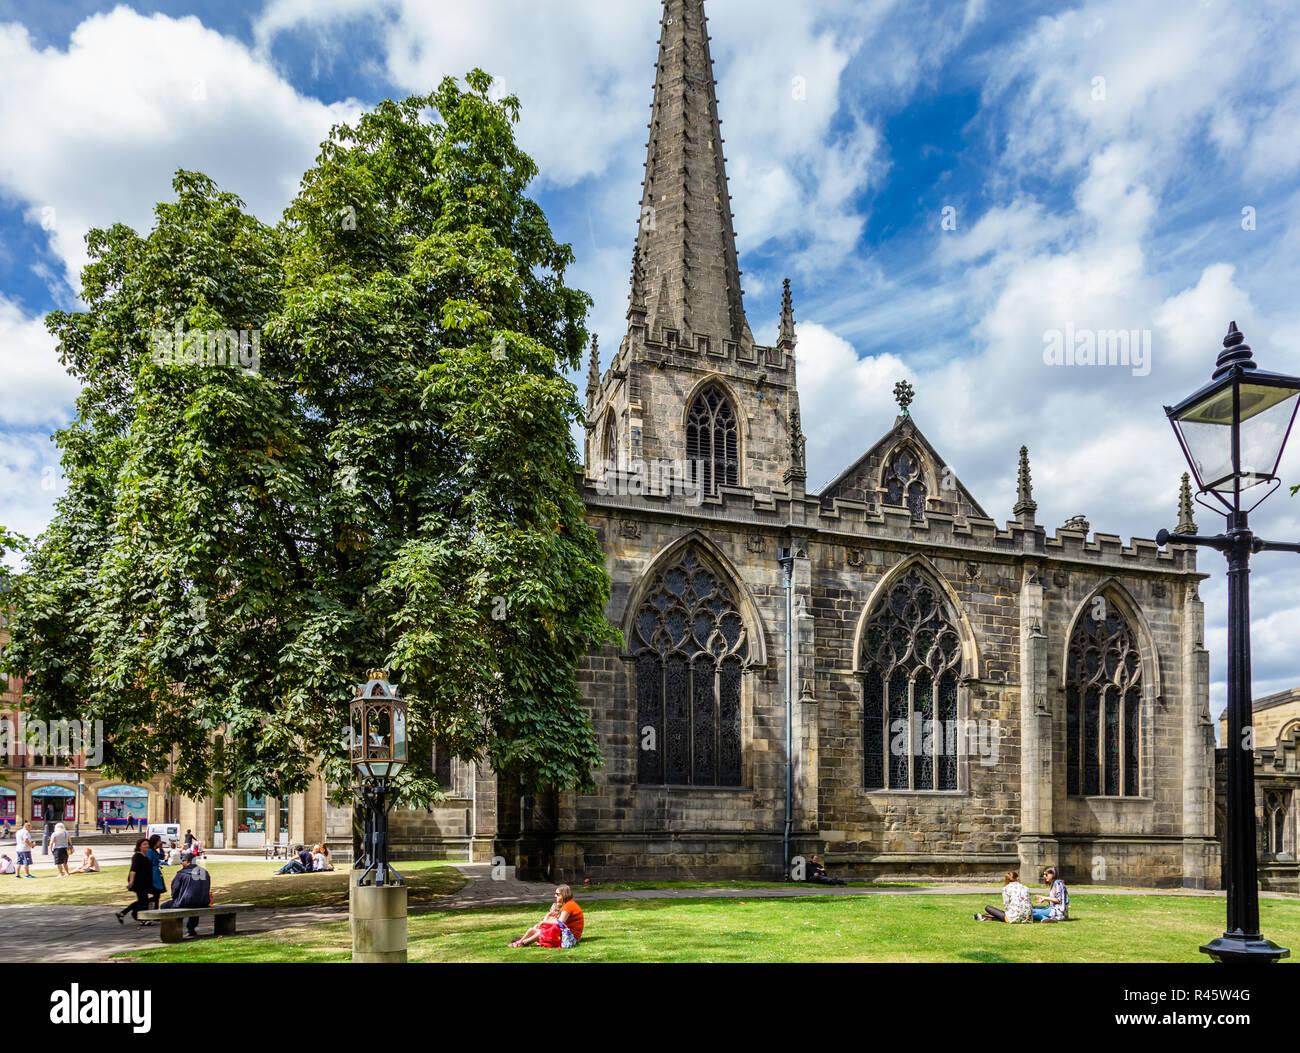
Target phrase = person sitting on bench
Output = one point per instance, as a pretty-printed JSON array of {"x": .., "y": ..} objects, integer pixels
[
  {"x": 817, "y": 872},
  {"x": 191, "y": 887}
]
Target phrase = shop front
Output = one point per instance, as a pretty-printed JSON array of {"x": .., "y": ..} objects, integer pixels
[
  {"x": 54, "y": 804},
  {"x": 8, "y": 808},
  {"x": 121, "y": 807},
  {"x": 252, "y": 821}
]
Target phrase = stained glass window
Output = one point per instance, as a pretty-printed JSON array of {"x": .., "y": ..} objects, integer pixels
[
  {"x": 911, "y": 657},
  {"x": 691, "y": 648},
  {"x": 712, "y": 438},
  {"x": 904, "y": 483},
  {"x": 1103, "y": 706}
]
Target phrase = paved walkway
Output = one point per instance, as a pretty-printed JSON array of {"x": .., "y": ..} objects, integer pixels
[{"x": 31, "y": 932}]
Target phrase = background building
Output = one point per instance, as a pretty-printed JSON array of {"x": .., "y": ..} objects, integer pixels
[{"x": 1277, "y": 780}]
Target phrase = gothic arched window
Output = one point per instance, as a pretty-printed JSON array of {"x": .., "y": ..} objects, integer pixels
[
  {"x": 904, "y": 483},
  {"x": 1275, "y": 816},
  {"x": 911, "y": 656},
  {"x": 609, "y": 443},
  {"x": 712, "y": 438},
  {"x": 1103, "y": 705},
  {"x": 691, "y": 646}
]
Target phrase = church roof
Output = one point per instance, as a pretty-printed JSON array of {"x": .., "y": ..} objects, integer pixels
[
  {"x": 686, "y": 275},
  {"x": 860, "y": 481}
]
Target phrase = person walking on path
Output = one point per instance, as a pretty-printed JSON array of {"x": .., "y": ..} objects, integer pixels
[
  {"x": 24, "y": 845},
  {"x": 61, "y": 845},
  {"x": 47, "y": 813},
  {"x": 139, "y": 879},
  {"x": 191, "y": 887}
]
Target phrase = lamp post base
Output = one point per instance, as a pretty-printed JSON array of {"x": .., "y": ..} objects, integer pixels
[
  {"x": 1237, "y": 947},
  {"x": 377, "y": 914}
]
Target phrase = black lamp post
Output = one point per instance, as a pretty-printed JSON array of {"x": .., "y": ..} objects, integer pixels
[
  {"x": 377, "y": 719},
  {"x": 1233, "y": 432}
]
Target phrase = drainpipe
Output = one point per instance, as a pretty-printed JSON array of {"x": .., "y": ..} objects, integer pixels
[
  {"x": 473, "y": 807},
  {"x": 787, "y": 573}
]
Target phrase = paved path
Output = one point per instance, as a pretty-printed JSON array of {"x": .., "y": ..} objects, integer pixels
[{"x": 31, "y": 932}]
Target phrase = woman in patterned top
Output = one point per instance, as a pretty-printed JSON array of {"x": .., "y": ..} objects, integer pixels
[
  {"x": 1016, "y": 905},
  {"x": 1056, "y": 902}
]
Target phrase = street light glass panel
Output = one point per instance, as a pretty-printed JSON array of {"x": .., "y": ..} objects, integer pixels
[
  {"x": 1266, "y": 417},
  {"x": 399, "y": 741}
]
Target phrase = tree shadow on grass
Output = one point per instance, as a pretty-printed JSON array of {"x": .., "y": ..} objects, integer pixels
[{"x": 983, "y": 956}]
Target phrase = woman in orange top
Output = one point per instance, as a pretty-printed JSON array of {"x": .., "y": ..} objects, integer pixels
[
  {"x": 570, "y": 912},
  {"x": 547, "y": 932}
]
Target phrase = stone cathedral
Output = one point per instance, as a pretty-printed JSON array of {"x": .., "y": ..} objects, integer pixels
[{"x": 964, "y": 697}]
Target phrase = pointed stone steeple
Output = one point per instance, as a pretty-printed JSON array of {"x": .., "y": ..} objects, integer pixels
[
  {"x": 593, "y": 372},
  {"x": 1026, "y": 506},
  {"x": 686, "y": 242},
  {"x": 1186, "y": 524},
  {"x": 786, "y": 339}
]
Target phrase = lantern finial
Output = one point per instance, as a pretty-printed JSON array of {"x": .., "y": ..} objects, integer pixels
[{"x": 1236, "y": 352}]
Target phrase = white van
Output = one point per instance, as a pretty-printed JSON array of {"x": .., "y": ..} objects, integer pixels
[{"x": 169, "y": 832}]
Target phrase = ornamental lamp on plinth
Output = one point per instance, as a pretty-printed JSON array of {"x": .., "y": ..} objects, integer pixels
[
  {"x": 377, "y": 747},
  {"x": 1233, "y": 432}
]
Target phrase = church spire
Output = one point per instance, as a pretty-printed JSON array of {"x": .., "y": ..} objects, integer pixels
[
  {"x": 785, "y": 340},
  {"x": 686, "y": 243}
]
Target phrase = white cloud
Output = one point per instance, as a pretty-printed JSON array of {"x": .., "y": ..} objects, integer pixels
[
  {"x": 36, "y": 388},
  {"x": 95, "y": 131}
]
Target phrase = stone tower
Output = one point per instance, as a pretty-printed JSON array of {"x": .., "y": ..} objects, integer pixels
[{"x": 687, "y": 334}]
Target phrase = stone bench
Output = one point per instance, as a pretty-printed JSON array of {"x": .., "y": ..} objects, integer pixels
[{"x": 172, "y": 929}]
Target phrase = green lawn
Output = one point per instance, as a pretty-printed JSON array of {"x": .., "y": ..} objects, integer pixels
[
  {"x": 233, "y": 881},
  {"x": 903, "y": 928}
]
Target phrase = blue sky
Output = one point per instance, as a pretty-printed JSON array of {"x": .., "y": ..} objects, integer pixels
[{"x": 1095, "y": 160}]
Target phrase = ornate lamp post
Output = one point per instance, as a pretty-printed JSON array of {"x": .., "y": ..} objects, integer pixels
[
  {"x": 1232, "y": 432},
  {"x": 377, "y": 896},
  {"x": 378, "y": 720}
]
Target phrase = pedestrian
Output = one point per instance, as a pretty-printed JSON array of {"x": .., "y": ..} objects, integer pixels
[
  {"x": 24, "y": 845},
  {"x": 191, "y": 887},
  {"x": 61, "y": 845},
  {"x": 155, "y": 857},
  {"x": 189, "y": 839},
  {"x": 139, "y": 879},
  {"x": 47, "y": 813}
]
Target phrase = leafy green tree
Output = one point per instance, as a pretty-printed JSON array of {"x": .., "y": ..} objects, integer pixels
[{"x": 393, "y": 485}]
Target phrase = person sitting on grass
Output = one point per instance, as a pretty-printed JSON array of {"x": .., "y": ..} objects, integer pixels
[
  {"x": 299, "y": 864},
  {"x": 817, "y": 872},
  {"x": 1056, "y": 904},
  {"x": 1016, "y": 905},
  {"x": 7, "y": 865},
  {"x": 89, "y": 864},
  {"x": 320, "y": 861},
  {"x": 562, "y": 926}
]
